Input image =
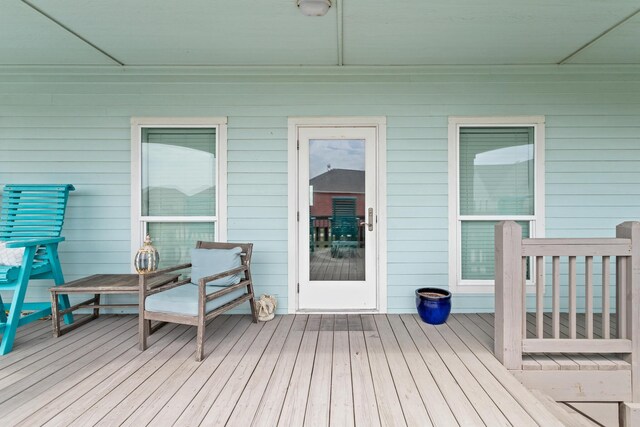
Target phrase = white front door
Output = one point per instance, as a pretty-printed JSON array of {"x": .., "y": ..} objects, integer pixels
[{"x": 337, "y": 227}]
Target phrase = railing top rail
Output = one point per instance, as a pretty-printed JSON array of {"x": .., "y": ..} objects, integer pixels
[
  {"x": 585, "y": 241},
  {"x": 576, "y": 247}
]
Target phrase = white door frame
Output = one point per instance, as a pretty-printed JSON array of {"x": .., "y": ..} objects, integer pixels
[{"x": 380, "y": 124}]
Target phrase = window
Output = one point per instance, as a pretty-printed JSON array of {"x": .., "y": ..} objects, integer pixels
[
  {"x": 178, "y": 184},
  {"x": 496, "y": 173}
]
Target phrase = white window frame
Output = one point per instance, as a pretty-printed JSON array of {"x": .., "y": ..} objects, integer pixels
[
  {"x": 138, "y": 222},
  {"x": 537, "y": 221}
]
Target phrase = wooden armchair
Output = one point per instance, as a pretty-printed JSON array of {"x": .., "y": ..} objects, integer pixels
[{"x": 196, "y": 302}]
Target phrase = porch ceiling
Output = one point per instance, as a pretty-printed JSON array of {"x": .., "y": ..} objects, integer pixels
[{"x": 354, "y": 32}]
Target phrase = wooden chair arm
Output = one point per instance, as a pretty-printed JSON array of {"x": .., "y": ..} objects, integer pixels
[
  {"x": 165, "y": 287},
  {"x": 226, "y": 290},
  {"x": 204, "y": 280},
  {"x": 33, "y": 242},
  {"x": 166, "y": 270}
]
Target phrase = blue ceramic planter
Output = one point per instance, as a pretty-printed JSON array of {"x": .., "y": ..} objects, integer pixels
[{"x": 433, "y": 304}]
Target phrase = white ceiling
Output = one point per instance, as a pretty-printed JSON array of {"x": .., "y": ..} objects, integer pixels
[{"x": 354, "y": 32}]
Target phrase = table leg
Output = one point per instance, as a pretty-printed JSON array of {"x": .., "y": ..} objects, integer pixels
[
  {"x": 96, "y": 311},
  {"x": 55, "y": 318}
]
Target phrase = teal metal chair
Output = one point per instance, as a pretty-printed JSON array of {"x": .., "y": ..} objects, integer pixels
[{"x": 32, "y": 218}]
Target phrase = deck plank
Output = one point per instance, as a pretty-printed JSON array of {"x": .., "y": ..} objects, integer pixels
[
  {"x": 295, "y": 402},
  {"x": 49, "y": 387},
  {"x": 342, "y": 410},
  {"x": 144, "y": 413},
  {"x": 40, "y": 349},
  {"x": 155, "y": 383},
  {"x": 272, "y": 400},
  {"x": 456, "y": 398},
  {"x": 412, "y": 404},
  {"x": 319, "y": 401},
  {"x": 499, "y": 394},
  {"x": 467, "y": 332},
  {"x": 69, "y": 409},
  {"x": 487, "y": 409},
  {"x": 179, "y": 399},
  {"x": 565, "y": 417},
  {"x": 341, "y": 370},
  {"x": 130, "y": 386},
  {"x": 365, "y": 406},
  {"x": 246, "y": 389},
  {"x": 233, "y": 372},
  {"x": 431, "y": 395},
  {"x": 389, "y": 406},
  {"x": 64, "y": 404},
  {"x": 14, "y": 386},
  {"x": 247, "y": 403},
  {"x": 27, "y": 334}
]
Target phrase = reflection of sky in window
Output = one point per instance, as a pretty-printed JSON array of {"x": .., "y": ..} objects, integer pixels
[
  {"x": 505, "y": 156},
  {"x": 325, "y": 154},
  {"x": 185, "y": 169}
]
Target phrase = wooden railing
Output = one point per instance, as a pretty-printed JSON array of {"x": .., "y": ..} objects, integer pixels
[{"x": 514, "y": 256}]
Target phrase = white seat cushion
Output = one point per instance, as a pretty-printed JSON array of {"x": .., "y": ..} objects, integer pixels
[
  {"x": 184, "y": 299},
  {"x": 10, "y": 256}
]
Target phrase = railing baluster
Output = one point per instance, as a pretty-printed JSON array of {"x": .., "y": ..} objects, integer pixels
[
  {"x": 555, "y": 283},
  {"x": 539, "y": 296},
  {"x": 606, "y": 299},
  {"x": 588, "y": 295},
  {"x": 524, "y": 296},
  {"x": 572, "y": 298},
  {"x": 621, "y": 292}
]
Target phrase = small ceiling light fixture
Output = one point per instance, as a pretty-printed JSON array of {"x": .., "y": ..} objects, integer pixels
[{"x": 314, "y": 7}]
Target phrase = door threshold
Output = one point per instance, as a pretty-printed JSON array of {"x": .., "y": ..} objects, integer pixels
[{"x": 310, "y": 311}]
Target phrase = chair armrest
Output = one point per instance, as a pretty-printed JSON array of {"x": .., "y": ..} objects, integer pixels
[
  {"x": 165, "y": 287},
  {"x": 226, "y": 290},
  {"x": 143, "y": 281},
  {"x": 204, "y": 280},
  {"x": 32, "y": 242},
  {"x": 166, "y": 270}
]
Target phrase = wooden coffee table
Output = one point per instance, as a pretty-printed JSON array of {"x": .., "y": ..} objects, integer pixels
[{"x": 97, "y": 285}]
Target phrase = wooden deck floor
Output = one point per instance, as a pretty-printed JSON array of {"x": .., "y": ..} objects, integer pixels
[{"x": 298, "y": 370}]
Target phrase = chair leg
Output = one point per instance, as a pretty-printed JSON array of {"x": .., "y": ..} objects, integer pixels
[
  {"x": 55, "y": 318},
  {"x": 3, "y": 315},
  {"x": 13, "y": 319},
  {"x": 200, "y": 343},
  {"x": 143, "y": 331},
  {"x": 58, "y": 278},
  {"x": 252, "y": 303}
]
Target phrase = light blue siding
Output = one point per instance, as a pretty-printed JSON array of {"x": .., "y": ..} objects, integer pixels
[{"x": 74, "y": 126}]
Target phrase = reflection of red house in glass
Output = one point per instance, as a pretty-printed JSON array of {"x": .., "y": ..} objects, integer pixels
[{"x": 329, "y": 185}]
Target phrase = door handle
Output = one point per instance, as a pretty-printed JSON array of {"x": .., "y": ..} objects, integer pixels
[{"x": 369, "y": 224}]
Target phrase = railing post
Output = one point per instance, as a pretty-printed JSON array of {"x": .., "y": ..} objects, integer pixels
[
  {"x": 509, "y": 291},
  {"x": 631, "y": 301}
]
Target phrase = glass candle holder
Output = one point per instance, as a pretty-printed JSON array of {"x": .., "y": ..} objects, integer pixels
[{"x": 147, "y": 258}]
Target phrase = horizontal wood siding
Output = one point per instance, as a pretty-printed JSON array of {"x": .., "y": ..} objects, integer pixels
[{"x": 74, "y": 126}]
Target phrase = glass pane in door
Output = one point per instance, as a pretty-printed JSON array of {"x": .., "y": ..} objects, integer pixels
[{"x": 336, "y": 209}]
